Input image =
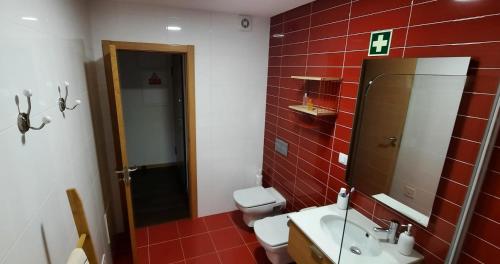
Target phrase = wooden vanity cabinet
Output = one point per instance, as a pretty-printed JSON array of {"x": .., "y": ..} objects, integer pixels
[{"x": 302, "y": 249}]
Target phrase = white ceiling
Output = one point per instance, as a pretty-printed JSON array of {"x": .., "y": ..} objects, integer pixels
[{"x": 265, "y": 8}]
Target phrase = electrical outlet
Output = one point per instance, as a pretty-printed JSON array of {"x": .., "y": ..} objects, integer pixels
[
  {"x": 409, "y": 192},
  {"x": 343, "y": 158}
]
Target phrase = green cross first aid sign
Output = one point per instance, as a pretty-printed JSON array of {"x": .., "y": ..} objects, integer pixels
[{"x": 380, "y": 43}]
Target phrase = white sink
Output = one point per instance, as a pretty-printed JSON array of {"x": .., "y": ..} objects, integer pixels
[
  {"x": 324, "y": 227},
  {"x": 357, "y": 240}
]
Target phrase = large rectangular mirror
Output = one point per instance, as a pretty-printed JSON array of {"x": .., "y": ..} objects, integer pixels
[{"x": 404, "y": 121}]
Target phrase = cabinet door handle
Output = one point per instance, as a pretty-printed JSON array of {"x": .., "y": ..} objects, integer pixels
[{"x": 316, "y": 253}]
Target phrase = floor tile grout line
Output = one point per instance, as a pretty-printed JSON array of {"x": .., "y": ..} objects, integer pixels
[
  {"x": 180, "y": 241},
  {"x": 246, "y": 245},
  {"x": 212, "y": 241},
  {"x": 189, "y": 236}
]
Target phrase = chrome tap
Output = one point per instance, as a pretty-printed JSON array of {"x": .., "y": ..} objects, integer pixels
[{"x": 391, "y": 231}]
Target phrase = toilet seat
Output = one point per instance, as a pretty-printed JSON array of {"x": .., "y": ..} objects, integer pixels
[
  {"x": 253, "y": 197},
  {"x": 258, "y": 202},
  {"x": 272, "y": 231}
]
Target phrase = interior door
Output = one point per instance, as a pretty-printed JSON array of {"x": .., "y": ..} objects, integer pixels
[
  {"x": 122, "y": 167},
  {"x": 383, "y": 119}
]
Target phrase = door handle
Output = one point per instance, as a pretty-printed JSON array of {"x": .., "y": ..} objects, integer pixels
[
  {"x": 131, "y": 169},
  {"x": 392, "y": 140},
  {"x": 126, "y": 174}
]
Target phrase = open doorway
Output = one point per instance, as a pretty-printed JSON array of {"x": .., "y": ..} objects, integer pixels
[
  {"x": 152, "y": 89},
  {"x": 151, "y": 93}
]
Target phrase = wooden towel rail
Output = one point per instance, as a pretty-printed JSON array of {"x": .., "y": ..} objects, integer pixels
[{"x": 82, "y": 227}]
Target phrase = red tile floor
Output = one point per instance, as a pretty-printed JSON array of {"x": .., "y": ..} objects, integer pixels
[{"x": 221, "y": 238}]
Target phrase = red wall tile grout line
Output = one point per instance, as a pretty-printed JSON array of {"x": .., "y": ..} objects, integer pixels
[
  {"x": 331, "y": 23},
  {"x": 484, "y": 68},
  {"x": 329, "y": 8},
  {"x": 314, "y": 178},
  {"x": 487, "y": 218},
  {"x": 428, "y": 252},
  {"x": 426, "y": 2},
  {"x": 454, "y": 44},
  {"x": 407, "y": 29},
  {"x": 444, "y": 199},
  {"x": 464, "y": 162},
  {"x": 303, "y": 194},
  {"x": 485, "y": 241},
  {"x": 490, "y": 195},
  {"x": 456, "y": 20},
  {"x": 448, "y": 179},
  {"x": 465, "y": 139},
  {"x": 494, "y": 171},
  {"x": 444, "y": 220},
  {"x": 467, "y": 254},
  {"x": 476, "y": 93},
  {"x": 381, "y": 12},
  {"x": 397, "y": 47}
]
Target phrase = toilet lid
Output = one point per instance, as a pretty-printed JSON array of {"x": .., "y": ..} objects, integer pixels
[
  {"x": 272, "y": 230},
  {"x": 251, "y": 197}
]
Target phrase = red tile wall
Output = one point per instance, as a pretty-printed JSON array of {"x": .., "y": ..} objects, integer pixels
[{"x": 330, "y": 38}]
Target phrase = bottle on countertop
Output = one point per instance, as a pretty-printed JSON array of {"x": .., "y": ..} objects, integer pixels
[
  {"x": 304, "y": 99},
  {"x": 406, "y": 242},
  {"x": 310, "y": 105}
]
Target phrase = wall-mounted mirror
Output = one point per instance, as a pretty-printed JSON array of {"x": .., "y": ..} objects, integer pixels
[{"x": 404, "y": 121}]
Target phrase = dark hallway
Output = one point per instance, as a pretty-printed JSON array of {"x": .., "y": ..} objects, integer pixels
[{"x": 159, "y": 195}]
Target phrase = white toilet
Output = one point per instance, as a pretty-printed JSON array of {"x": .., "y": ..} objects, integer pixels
[
  {"x": 272, "y": 233},
  {"x": 258, "y": 202}
]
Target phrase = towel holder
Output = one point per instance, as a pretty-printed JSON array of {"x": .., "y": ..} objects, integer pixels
[
  {"x": 23, "y": 118},
  {"x": 63, "y": 102}
]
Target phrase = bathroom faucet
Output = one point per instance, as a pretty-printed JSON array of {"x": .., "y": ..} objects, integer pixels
[{"x": 391, "y": 231}]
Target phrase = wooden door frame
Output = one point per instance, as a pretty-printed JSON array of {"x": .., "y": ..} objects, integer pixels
[{"x": 189, "y": 89}]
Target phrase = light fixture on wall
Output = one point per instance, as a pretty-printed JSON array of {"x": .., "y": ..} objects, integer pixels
[
  {"x": 174, "y": 28},
  {"x": 29, "y": 18},
  {"x": 278, "y": 35},
  {"x": 173, "y": 24}
]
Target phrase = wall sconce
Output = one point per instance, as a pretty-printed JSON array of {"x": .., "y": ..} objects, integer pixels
[
  {"x": 63, "y": 101},
  {"x": 23, "y": 118}
]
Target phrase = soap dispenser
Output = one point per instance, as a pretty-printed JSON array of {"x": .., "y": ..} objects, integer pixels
[
  {"x": 342, "y": 199},
  {"x": 406, "y": 242}
]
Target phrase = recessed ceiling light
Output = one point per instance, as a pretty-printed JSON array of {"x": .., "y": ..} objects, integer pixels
[
  {"x": 174, "y": 28},
  {"x": 278, "y": 35},
  {"x": 29, "y": 18}
]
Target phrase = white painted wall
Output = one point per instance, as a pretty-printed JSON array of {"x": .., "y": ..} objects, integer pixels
[
  {"x": 429, "y": 124},
  {"x": 36, "y": 225},
  {"x": 148, "y": 110},
  {"x": 231, "y": 70}
]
